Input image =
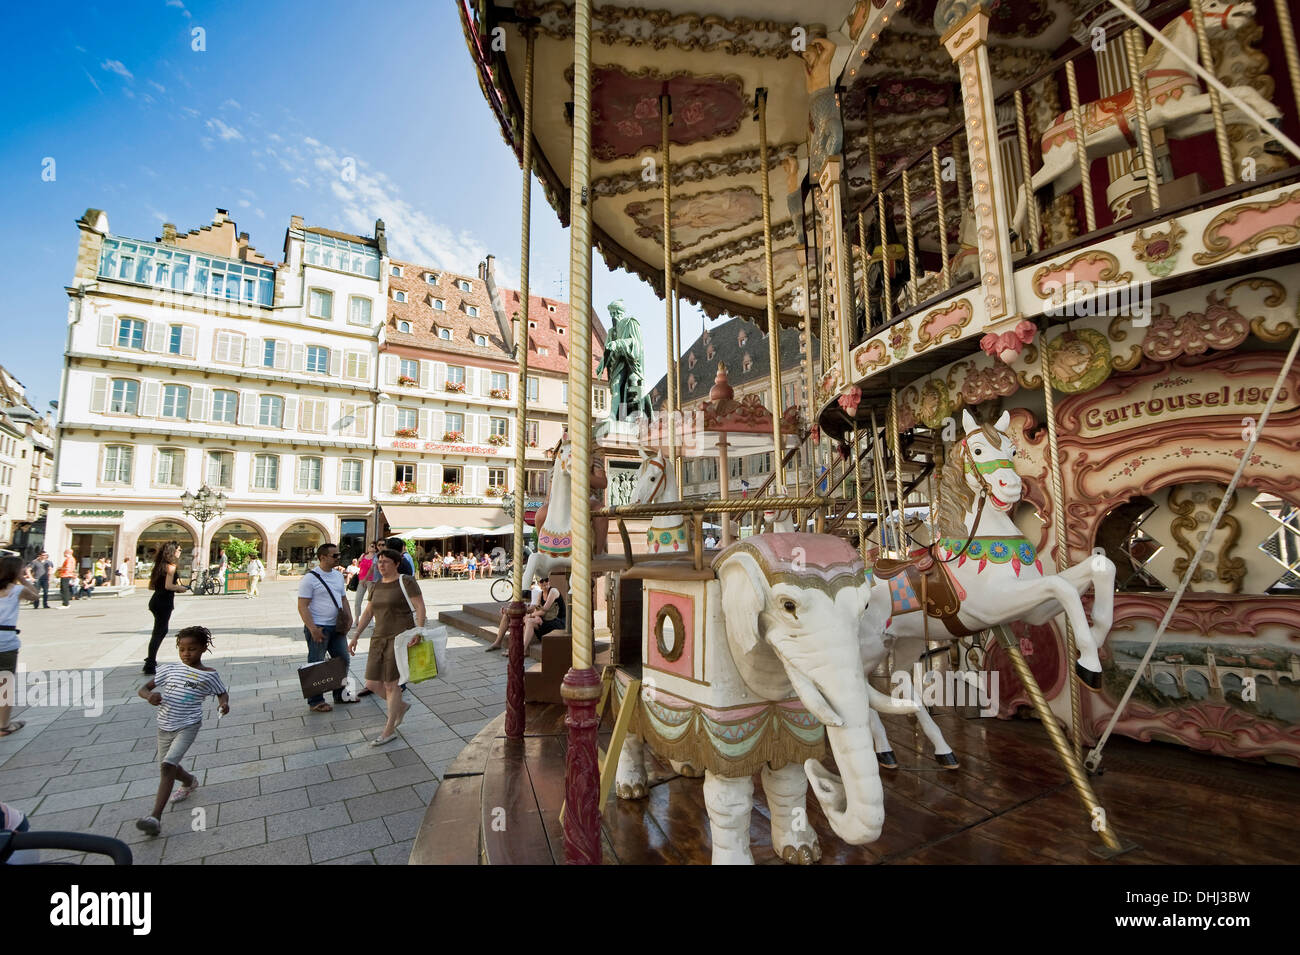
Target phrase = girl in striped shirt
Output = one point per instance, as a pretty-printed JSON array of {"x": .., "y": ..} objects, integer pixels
[{"x": 178, "y": 690}]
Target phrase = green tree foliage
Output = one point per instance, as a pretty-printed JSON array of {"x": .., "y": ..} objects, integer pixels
[{"x": 240, "y": 552}]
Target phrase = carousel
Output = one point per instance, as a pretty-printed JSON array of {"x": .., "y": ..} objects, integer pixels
[{"x": 1028, "y": 558}]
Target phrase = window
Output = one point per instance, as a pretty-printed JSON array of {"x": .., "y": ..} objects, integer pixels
[
  {"x": 497, "y": 477},
  {"x": 117, "y": 464},
  {"x": 171, "y": 467},
  {"x": 130, "y": 333},
  {"x": 407, "y": 419},
  {"x": 534, "y": 387},
  {"x": 408, "y": 368},
  {"x": 395, "y": 270},
  {"x": 471, "y": 311},
  {"x": 309, "y": 471},
  {"x": 532, "y": 432},
  {"x": 564, "y": 392},
  {"x": 312, "y": 412},
  {"x": 332, "y": 253},
  {"x": 480, "y": 340},
  {"x": 318, "y": 359},
  {"x": 464, "y": 286},
  {"x": 353, "y": 422},
  {"x": 270, "y": 411},
  {"x": 501, "y": 426},
  {"x": 266, "y": 472},
  {"x": 268, "y": 352},
  {"x": 550, "y": 308},
  {"x": 176, "y": 401},
  {"x": 359, "y": 310},
  {"x": 220, "y": 469},
  {"x": 166, "y": 267},
  {"x": 598, "y": 398},
  {"x": 501, "y": 382},
  {"x": 535, "y": 482},
  {"x": 404, "y": 327},
  {"x": 450, "y": 475},
  {"x": 357, "y": 365},
  {"x": 439, "y": 305},
  {"x": 175, "y": 334},
  {"x": 760, "y": 463},
  {"x": 543, "y": 350},
  {"x": 431, "y": 278},
  {"x": 455, "y": 375},
  {"x": 455, "y": 421},
  {"x": 320, "y": 304},
  {"x": 125, "y": 396},
  {"x": 350, "y": 476},
  {"x": 444, "y": 334},
  {"x": 404, "y": 473},
  {"x": 228, "y": 348},
  {"x": 399, "y": 295},
  {"x": 225, "y": 405},
  {"x": 559, "y": 329}
]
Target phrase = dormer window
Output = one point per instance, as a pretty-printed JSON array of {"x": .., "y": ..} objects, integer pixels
[
  {"x": 543, "y": 351},
  {"x": 559, "y": 330},
  {"x": 690, "y": 360},
  {"x": 746, "y": 362},
  {"x": 471, "y": 311},
  {"x": 431, "y": 278},
  {"x": 480, "y": 340},
  {"x": 464, "y": 286},
  {"x": 550, "y": 308},
  {"x": 690, "y": 383},
  {"x": 395, "y": 270},
  {"x": 741, "y": 338},
  {"x": 399, "y": 295},
  {"x": 438, "y": 304},
  {"x": 710, "y": 352},
  {"x": 532, "y": 324},
  {"x": 444, "y": 334},
  {"x": 404, "y": 327}
]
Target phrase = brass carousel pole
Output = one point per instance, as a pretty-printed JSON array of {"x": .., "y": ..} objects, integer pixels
[
  {"x": 1216, "y": 102},
  {"x": 676, "y": 367},
  {"x": 773, "y": 325},
  {"x": 515, "y": 673},
  {"x": 1062, "y": 551},
  {"x": 878, "y": 478},
  {"x": 857, "y": 488},
  {"x": 581, "y": 688},
  {"x": 665, "y": 120},
  {"x": 1080, "y": 147},
  {"x": 1287, "y": 31},
  {"x": 895, "y": 446}
]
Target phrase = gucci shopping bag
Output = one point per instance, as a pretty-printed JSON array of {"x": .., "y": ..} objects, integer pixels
[{"x": 318, "y": 678}]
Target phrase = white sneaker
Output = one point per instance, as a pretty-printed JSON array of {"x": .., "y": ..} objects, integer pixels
[{"x": 149, "y": 824}]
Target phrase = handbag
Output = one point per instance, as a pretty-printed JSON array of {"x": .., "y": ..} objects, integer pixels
[
  {"x": 318, "y": 678},
  {"x": 334, "y": 600},
  {"x": 352, "y": 584},
  {"x": 417, "y": 663}
]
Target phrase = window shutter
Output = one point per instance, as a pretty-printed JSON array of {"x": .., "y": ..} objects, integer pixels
[
  {"x": 198, "y": 403},
  {"x": 388, "y": 419},
  {"x": 426, "y": 374},
  {"x": 426, "y": 425},
  {"x": 149, "y": 407},
  {"x": 390, "y": 369},
  {"x": 253, "y": 356},
  {"x": 437, "y": 425},
  {"x": 107, "y": 330},
  {"x": 424, "y": 480},
  {"x": 361, "y": 427},
  {"x": 299, "y": 357},
  {"x": 290, "y": 421},
  {"x": 439, "y": 375},
  {"x": 387, "y": 477},
  {"x": 238, "y": 344},
  {"x": 156, "y": 337},
  {"x": 336, "y": 363},
  {"x": 187, "y": 342},
  {"x": 99, "y": 394},
  {"x": 363, "y": 366},
  {"x": 247, "y": 408},
  {"x": 282, "y": 355}
]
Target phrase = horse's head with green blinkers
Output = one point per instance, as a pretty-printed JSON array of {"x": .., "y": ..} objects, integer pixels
[{"x": 986, "y": 453}]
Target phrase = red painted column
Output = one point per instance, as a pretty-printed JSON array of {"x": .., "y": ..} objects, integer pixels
[
  {"x": 581, "y": 692},
  {"x": 515, "y": 673}
]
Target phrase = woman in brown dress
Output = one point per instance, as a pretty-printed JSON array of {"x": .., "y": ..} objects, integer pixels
[{"x": 392, "y": 616}]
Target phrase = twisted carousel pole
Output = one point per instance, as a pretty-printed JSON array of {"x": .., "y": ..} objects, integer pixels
[
  {"x": 581, "y": 688},
  {"x": 665, "y": 120},
  {"x": 515, "y": 673},
  {"x": 773, "y": 326}
]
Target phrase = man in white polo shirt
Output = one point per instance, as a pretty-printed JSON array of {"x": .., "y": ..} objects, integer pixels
[{"x": 326, "y": 616}]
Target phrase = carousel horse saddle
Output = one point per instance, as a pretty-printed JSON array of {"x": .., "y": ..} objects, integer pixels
[{"x": 921, "y": 582}]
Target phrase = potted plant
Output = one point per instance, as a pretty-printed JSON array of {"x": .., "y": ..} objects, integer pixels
[
  {"x": 494, "y": 491},
  {"x": 403, "y": 487},
  {"x": 449, "y": 489},
  {"x": 407, "y": 381},
  {"x": 502, "y": 393},
  {"x": 496, "y": 440},
  {"x": 457, "y": 387},
  {"x": 531, "y": 444},
  {"x": 453, "y": 437},
  {"x": 407, "y": 432},
  {"x": 238, "y": 553}
]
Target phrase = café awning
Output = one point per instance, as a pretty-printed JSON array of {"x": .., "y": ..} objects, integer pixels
[{"x": 438, "y": 521}]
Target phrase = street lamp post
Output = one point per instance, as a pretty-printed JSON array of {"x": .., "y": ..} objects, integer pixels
[{"x": 203, "y": 505}]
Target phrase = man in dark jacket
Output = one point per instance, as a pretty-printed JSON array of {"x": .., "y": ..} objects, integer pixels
[{"x": 41, "y": 569}]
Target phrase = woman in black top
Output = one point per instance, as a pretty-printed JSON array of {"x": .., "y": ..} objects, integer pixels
[
  {"x": 165, "y": 587},
  {"x": 551, "y": 615}
]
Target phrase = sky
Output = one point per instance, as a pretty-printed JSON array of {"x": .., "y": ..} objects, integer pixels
[{"x": 110, "y": 106}]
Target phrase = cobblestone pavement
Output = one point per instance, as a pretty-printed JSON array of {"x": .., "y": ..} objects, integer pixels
[{"x": 278, "y": 783}]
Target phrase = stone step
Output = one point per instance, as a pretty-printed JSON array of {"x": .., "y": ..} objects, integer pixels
[{"x": 473, "y": 625}]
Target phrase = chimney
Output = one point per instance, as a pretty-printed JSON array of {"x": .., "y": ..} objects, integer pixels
[
  {"x": 220, "y": 217},
  {"x": 482, "y": 271},
  {"x": 490, "y": 265},
  {"x": 381, "y": 238},
  {"x": 296, "y": 223},
  {"x": 169, "y": 233}
]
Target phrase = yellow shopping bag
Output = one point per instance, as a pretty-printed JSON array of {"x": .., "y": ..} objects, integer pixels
[{"x": 422, "y": 661}]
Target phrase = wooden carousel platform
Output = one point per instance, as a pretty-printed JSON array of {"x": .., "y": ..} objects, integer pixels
[{"x": 1009, "y": 803}]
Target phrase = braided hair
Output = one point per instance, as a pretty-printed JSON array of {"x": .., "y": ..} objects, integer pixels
[{"x": 201, "y": 634}]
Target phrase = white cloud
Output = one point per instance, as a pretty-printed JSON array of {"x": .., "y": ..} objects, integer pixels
[
  {"x": 116, "y": 66},
  {"x": 158, "y": 86},
  {"x": 179, "y": 6},
  {"x": 244, "y": 203},
  {"x": 92, "y": 82},
  {"x": 190, "y": 111},
  {"x": 223, "y": 131},
  {"x": 231, "y": 104}
]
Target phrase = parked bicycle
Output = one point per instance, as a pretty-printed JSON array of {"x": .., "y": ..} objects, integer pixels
[
  {"x": 209, "y": 583},
  {"x": 503, "y": 587}
]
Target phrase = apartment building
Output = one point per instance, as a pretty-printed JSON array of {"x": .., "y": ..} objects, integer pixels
[
  {"x": 26, "y": 443},
  {"x": 194, "y": 360},
  {"x": 744, "y": 349}
]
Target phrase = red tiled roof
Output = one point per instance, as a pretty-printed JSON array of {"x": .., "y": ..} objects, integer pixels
[
  {"x": 550, "y": 330},
  {"x": 426, "y": 320}
]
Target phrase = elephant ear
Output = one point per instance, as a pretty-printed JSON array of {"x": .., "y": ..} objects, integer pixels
[{"x": 745, "y": 592}]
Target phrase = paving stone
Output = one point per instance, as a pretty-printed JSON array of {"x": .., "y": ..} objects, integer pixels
[
  {"x": 291, "y": 851},
  {"x": 317, "y": 757},
  {"x": 357, "y": 858},
  {"x": 111, "y": 816},
  {"x": 339, "y": 739},
  {"x": 309, "y": 776},
  {"x": 261, "y": 767},
  {"x": 269, "y": 726},
  {"x": 293, "y": 732},
  {"x": 397, "y": 854},
  {"x": 436, "y": 751},
  {"x": 119, "y": 731},
  {"x": 9, "y": 777},
  {"x": 195, "y": 845},
  {"x": 70, "y": 820},
  {"x": 256, "y": 806},
  {"x": 404, "y": 825},
  {"x": 245, "y": 754},
  {"x": 347, "y": 840},
  {"x": 424, "y": 737},
  {"x": 402, "y": 776},
  {"x": 471, "y": 729},
  {"x": 403, "y": 757},
  {"x": 364, "y": 764},
  {"x": 345, "y": 788},
  {"x": 141, "y": 787},
  {"x": 302, "y": 821},
  {"x": 362, "y": 750},
  {"x": 383, "y": 804},
  {"x": 32, "y": 755},
  {"x": 288, "y": 748},
  {"x": 97, "y": 795},
  {"x": 74, "y": 781},
  {"x": 116, "y": 760}
]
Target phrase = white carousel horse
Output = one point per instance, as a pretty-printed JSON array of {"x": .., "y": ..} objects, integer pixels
[
  {"x": 997, "y": 575},
  {"x": 656, "y": 483},
  {"x": 1175, "y": 104},
  {"x": 555, "y": 532}
]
